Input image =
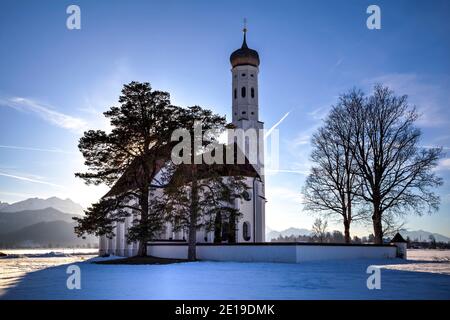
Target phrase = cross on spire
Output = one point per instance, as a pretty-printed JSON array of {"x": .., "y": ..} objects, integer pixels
[{"x": 244, "y": 43}]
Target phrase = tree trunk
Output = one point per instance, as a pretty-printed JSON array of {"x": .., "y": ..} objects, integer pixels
[
  {"x": 348, "y": 217},
  {"x": 232, "y": 229},
  {"x": 143, "y": 203},
  {"x": 192, "y": 255},
  {"x": 218, "y": 228},
  {"x": 347, "y": 236},
  {"x": 377, "y": 225}
]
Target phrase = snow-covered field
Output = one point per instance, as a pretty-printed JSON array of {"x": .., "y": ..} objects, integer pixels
[{"x": 43, "y": 276}]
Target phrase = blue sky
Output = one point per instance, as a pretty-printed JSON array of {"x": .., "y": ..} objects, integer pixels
[{"x": 55, "y": 82}]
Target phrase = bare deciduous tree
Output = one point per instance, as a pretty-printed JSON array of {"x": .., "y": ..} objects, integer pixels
[
  {"x": 319, "y": 229},
  {"x": 397, "y": 175},
  {"x": 368, "y": 153},
  {"x": 329, "y": 189}
]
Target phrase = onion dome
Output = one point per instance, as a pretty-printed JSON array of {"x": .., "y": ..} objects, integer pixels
[{"x": 244, "y": 55}]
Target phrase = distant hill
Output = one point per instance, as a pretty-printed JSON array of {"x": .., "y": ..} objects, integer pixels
[
  {"x": 422, "y": 235},
  {"x": 12, "y": 221},
  {"x": 63, "y": 205},
  {"x": 3, "y": 205},
  {"x": 57, "y": 233},
  {"x": 43, "y": 227},
  {"x": 273, "y": 234}
]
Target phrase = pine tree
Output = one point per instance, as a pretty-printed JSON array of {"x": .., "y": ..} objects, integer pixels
[{"x": 128, "y": 158}]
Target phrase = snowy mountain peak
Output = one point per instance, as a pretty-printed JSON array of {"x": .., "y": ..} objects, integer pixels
[
  {"x": 66, "y": 206},
  {"x": 422, "y": 235},
  {"x": 273, "y": 234},
  {"x": 3, "y": 205}
]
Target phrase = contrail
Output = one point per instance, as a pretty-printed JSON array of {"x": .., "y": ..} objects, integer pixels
[
  {"x": 276, "y": 125},
  {"x": 30, "y": 180},
  {"x": 303, "y": 172},
  {"x": 36, "y": 149}
]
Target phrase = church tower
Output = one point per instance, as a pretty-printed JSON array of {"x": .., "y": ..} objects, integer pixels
[
  {"x": 245, "y": 109},
  {"x": 245, "y": 63},
  {"x": 245, "y": 115}
]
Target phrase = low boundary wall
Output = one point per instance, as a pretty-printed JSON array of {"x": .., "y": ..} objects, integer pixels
[{"x": 274, "y": 252}]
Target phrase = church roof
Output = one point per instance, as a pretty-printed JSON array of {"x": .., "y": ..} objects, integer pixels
[
  {"x": 134, "y": 172},
  {"x": 244, "y": 55}
]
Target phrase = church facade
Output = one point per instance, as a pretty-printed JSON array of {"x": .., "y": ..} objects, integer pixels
[{"x": 250, "y": 227}]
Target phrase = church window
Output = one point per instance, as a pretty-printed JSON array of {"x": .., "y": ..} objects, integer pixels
[
  {"x": 251, "y": 75},
  {"x": 243, "y": 92},
  {"x": 247, "y": 196},
  {"x": 253, "y": 112},
  {"x": 235, "y": 93},
  {"x": 243, "y": 74},
  {"x": 244, "y": 112},
  {"x": 252, "y": 91},
  {"x": 246, "y": 231},
  {"x": 225, "y": 231}
]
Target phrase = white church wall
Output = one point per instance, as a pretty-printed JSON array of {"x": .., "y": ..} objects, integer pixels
[
  {"x": 166, "y": 251},
  {"x": 289, "y": 253},
  {"x": 247, "y": 253},
  {"x": 317, "y": 252}
]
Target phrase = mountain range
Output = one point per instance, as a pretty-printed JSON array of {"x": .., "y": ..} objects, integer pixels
[
  {"x": 273, "y": 234},
  {"x": 66, "y": 205},
  {"x": 420, "y": 235},
  {"x": 40, "y": 222}
]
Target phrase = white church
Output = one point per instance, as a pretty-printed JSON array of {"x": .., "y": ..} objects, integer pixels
[
  {"x": 245, "y": 115},
  {"x": 250, "y": 245}
]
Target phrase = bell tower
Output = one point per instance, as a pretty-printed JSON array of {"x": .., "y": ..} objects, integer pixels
[
  {"x": 245, "y": 115},
  {"x": 245, "y": 63}
]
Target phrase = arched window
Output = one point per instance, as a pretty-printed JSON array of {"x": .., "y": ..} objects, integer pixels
[
  {"x": 225, "y": 231},
  {"x": 246, "y": 231},
  {"x": 243, "y": 92},
  {"x": 235, "y": 93},
  {"x": 247, "y": 195},
  {"x": 252, "y": 91}
]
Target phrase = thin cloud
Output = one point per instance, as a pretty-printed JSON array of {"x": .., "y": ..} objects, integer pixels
[
  {"x": 22, "y": 178},
  {"x": 337, "y": 64},
  {"x": 302, "y": 139},
  {"x": 285, "y": 193},
  {"x": 46, "y": 113},
  {"x": 432, "y": 147},
  {"x": 302, "y": 172},
  {"x": 319, "y": 113},
  {"x": 36, "y": 149},
  {"x": 444, "y": 164},
  {"x": 428, "y": 94}
]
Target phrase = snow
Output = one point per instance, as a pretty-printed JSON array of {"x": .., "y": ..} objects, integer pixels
[{"x": 45, "y": 278}]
